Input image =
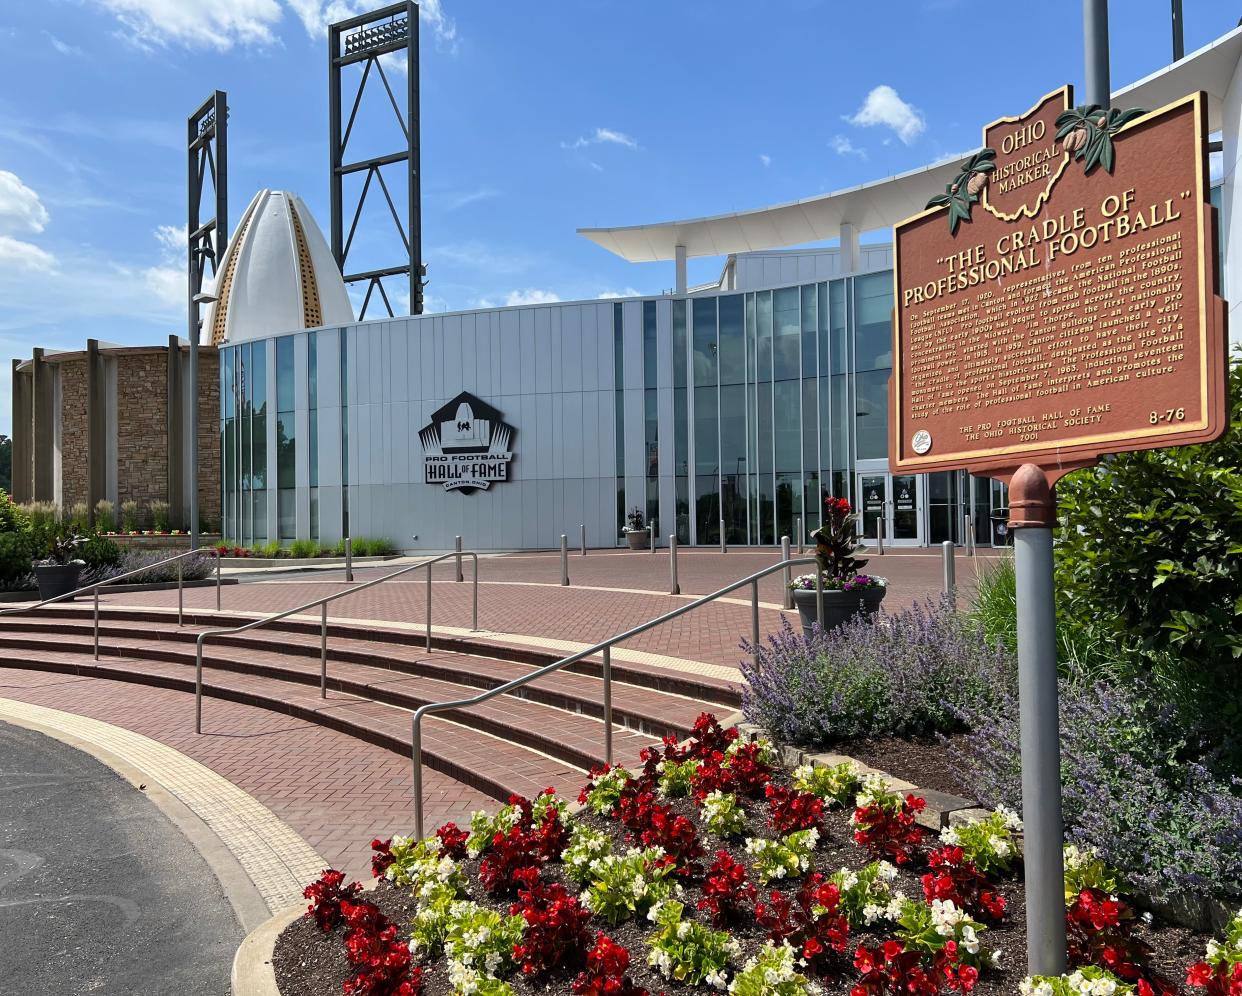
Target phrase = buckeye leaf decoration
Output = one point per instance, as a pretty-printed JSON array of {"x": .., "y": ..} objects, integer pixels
[
  {"x": 964, "y": 191},
  {"x": 1087, "y": 133}
]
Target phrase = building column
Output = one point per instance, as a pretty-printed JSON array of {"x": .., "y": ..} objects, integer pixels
[
  {"x": 176, "y": 435},
  {"x": 43, "y": 433},
  {"x": 96, "y": 427},
  {"x": 851, "y": 258},
  {"x": 23, "y": 417},
  {"x": 680, "y": 264}
]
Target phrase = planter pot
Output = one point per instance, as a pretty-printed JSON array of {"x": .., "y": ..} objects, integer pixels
[
  {"x": 639, "y": 539},
  {"x": 838, "y": 606},
  {"x": 57, "y": 579}
]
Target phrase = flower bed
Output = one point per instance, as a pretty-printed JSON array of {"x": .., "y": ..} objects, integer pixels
[{"x": 708, "y": 868}]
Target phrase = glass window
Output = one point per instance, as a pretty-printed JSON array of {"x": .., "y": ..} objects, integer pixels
[
  {"x": 872, "y": 425},
  {"x": 733, "y": 460},
  {"x": 284, "y": 374},
  {"x": 786, "y": 329},
  {"x": 810, "y": 308},
  {"x": 705, "y": 346},
  {"x": 312, "y": 369},
  {"x": 259, "y": 502},
  {"x": 651, "y": 440},
  {"x": 314, "y": 513},
  {"x": 680, "y": 419},
  {"x": 258, "y": 450},
  {"x": 286, "y": 467},
  {"x": 732, "y": 341},
  {"x": 618, "y": 384},
  {"x": 873, "y": 334},
  {"x": 286, "y": 512},
  {"x": 787, "y": 411},
  {"x": 258, "y": 377},
  {"x": 837, "y": 328},
  {"x": 842, "y": 421}
]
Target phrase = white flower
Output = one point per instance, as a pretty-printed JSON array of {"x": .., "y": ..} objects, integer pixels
[
  {"x": 888, "y": 872},
  {"x": 716, "y": 980},
  {"x": 950, "y": 836},
  {"x": 1010, "y": 818},
  {"x": 970, "y": 940}
]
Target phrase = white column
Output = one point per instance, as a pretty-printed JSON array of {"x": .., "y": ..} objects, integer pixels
[
  {"x": 1230, "y": 217},
  {"x": 851, "y": 260},
  {"x": 680, "y": 263}
]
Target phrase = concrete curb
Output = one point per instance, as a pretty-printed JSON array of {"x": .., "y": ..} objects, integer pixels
[
  {"x": 252, "y": 973},
  {"x": 120, "y": 589}
]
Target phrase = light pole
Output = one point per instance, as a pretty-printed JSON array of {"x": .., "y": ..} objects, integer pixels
[{"x": 195, "y": 329}]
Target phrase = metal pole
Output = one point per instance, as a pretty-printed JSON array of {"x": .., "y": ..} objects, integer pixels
[
  {"x": 754, "y": 620},
  {"x": 723, "y": 548},
  {"x": 785, "y": 574},
  {"x": 950, "y": 571},
  {"x": 198, "y": 687},
  {"x": 1179, "y": 45},
  {"x": 564, "y": 559},
  {"x": 673, "y": 587},
  {"x": 428, "y": 608},
  {"x": 457, "y": 546},
  {"x": 969, "y": 530},
  {"x": 798, "y": 534},
  {"x": 416, "y": 761},
  {"x": 180, "y": 596},
  {"x": 1031, "y": 518},
  {"x": 96, "y": 624},
  {"x": 218, "y": 557},
  {"x": 819, "y": 596},
  {"x": 582, "y": 535},
  {"x": 651, "y": 534},
  {"x": 608, "y": 704},
  {"x": 349, "y": 560},
  {"x": 474, "y": 597},
  {"x": 323, "y": 650},
  {"x": 1095, "y": 51},
  {"x": 879, "y": 535}
]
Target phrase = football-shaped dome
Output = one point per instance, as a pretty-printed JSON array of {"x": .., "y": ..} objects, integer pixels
[{"x": 278, "y": 275}]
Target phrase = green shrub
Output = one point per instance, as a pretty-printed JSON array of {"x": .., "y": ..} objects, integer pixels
[
  {"x": 129, "y": 516},
  {"x": 79, "y": 518},
  {"x": 105, "y": 516},
  {"x": 13, "y": 518},
  {"x": 270, "y": 550},
  {"x": 994, "y": 606},
  {"x": 16, "y": 555},
  {"x": 303, "y": 549},
  {"x": 161, "y": 517},
  {"x": 99, "y": 551}
]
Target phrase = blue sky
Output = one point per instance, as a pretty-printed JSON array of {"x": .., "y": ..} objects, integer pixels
[{"x": 537, "y": 119}]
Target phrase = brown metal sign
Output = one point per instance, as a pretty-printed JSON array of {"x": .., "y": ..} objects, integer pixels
[{"x": 1060, "y": 300}]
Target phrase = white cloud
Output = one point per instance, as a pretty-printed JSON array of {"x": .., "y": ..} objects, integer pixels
[
  {"x": 602, "y": 136},
  {"x": 884, "y": 106},
  {"x": 64, "y": 48},
  {"x": 842, "y": 146},
  {"x": 220, "y": 24},
  {"x": 20, "y": 207},
  {"x": 461, "y": 199},
  {"x": 531, "y": 295},
  {"x": 18, "y": 255},
  {"x": 166, "y": 281},
  {"x": 628, "y": 292},
  {"x": 316, "y": 15},
  {"x": 478, "y": 256},
  {"x": 765, "y": 159}
]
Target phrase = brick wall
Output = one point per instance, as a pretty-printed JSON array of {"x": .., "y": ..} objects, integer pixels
[
  {"x": 209, "y": 437},
  {"x": 74, "y": 439},
  {"x": 142, "y": 428}
]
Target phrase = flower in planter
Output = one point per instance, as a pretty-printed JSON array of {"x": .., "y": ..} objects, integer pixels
[
  {"x": 866, "y": 895},
  {"x": 837, "y": 582},
  {"x": 1220, "y": 972}
]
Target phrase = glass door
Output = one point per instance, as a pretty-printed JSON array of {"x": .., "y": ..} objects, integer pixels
[
  {"x": 897, "y": 499},
  {"x": 905, "y": 508},
  {"x": 873, "y": 500}
]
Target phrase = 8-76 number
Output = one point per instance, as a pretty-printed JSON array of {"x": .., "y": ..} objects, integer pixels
[{"x": 1168, "y": 415}]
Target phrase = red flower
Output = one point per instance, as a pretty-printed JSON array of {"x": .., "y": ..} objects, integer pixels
[
  {"x": 890, "y": 834},
  {"x": 372, "y": 944},
  {"x": 327, "y": 895},
  {"x": 955, "y": 879},
  {"x": 452, "y": 841},
  {"x": 381, "y": 856},
  {"x": 791, "y": 810},
  {"x": 556, "y": 928},
  {"x": 725, "y": 888},
  {"x": 606, "y": 965},
  {"x": 812, "y": 922}
]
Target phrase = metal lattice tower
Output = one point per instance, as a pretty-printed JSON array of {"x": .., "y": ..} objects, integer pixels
[{"x": 363, "y": 40}]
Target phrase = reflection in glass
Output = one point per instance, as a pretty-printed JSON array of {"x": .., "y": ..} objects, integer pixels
[
  {"x": 873, "y": 334},
  {"x": 872, "y": 414},
  {"x": 733, "y": 460},
  {"x": 681, "y": 452}
]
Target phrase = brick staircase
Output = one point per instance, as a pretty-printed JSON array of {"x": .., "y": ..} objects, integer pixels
[{"x": 548, "y": 732}]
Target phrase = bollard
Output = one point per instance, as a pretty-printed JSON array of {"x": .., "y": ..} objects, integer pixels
[
  {"x": 582, "y": 531},
  {"x": 673, "y": 587},
  {"x": 798, "y": 534},
  {"x": 950, "y": 572},
  {"x": 789, "y": 602},
  {"x": 349, "y": 560},
  {"x": 651, "y": 534},
  {"x": 564, "y": 559},
  {"x": 879, "y": 536},
  {"x": 970, "y": 536},
  {"x": 723, "y": 548},
  {"x": 457, "y": 547}
]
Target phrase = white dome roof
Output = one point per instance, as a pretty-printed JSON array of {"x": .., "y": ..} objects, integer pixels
[{"x": 277, "y": 275}]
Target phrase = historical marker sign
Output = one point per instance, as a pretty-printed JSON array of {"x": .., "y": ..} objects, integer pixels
[{"x": 1060, "y": 302}]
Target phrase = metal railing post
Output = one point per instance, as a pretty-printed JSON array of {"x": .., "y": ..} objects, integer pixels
[
  {"x": 754, "y": 620},
  {"x": 879, "y": 535},
  {"x": 460, "y": 577},
  {"x": 950, "y": 572},
  {"x": 96, "y": 624},
  {"x": 673, "y": 587},
  {"x": 349, "y": 560},
  {"x": 428, "y": 608},
  {"x": 798, "y": 534},
  {"x": 180, "y": 597},
  {"x": 323, "y": 651},
  {"x": 786, "y": 576},
  {"x": 819, "y": 596},
  {"x": 564, "y": 560},
  {"x": 607, "y": 672},
  {"x": 198, "y": 686},
  {"x": 723, "y": 547},
  {"x": 582, "y": 536},
  {"x": 474, "y": 598},
  {"x": 416, "y": 760},
  {"x": 219, "y": 556}
]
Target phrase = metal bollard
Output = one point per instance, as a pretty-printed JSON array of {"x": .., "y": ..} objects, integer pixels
[
  {"x": 349, "y": 560},
  {"x": 180, "y": 596},
  {"x": 457, "y": 547},
  {"x": 582, "y": 530},
  {"x": 673, "y": 587},
  {"x": 879, "y": 536},
  {"x": 950, "y": 572},
  {"x": 970, "y": 536},
  {"x": 798, "y": 534},
  {"x": 651, "y": 534},
  {"x": 788, "y": 602},
  {"x": 218, "y": 556},
  {"x": 564, "y": 559},
  {"x": 323, "y": 650},
  {"x": 723, "y": 547}
]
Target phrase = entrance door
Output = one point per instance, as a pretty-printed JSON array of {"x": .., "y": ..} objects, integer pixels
[{"x": 894, "y": 498}]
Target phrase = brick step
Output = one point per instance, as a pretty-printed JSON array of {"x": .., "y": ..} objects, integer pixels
[
  {"x": 715, "y": 692},
  {"x": 562, "y": 734},
  {"x": 641, "y": 709},
  {"x": 493, "y": 765}
]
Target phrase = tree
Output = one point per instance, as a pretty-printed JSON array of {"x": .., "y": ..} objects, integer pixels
[{"x": 6, "y": 463}]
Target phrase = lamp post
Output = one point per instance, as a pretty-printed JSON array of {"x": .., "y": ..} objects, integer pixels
[{"x": 198, "y": 300}]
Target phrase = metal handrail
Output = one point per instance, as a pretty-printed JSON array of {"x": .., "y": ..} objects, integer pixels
[
  {"x": 605, "y": 646},
  {"x": 108, "y": 582},
  {"x": 323, "y": 623}
]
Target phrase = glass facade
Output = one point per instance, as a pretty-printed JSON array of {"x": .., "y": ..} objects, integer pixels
[{"x": 286, "y": 442}]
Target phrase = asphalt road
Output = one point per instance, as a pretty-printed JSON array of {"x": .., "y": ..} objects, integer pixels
[{"x": 99, "y": 892}]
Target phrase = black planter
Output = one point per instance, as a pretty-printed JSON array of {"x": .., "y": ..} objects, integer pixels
[
  {"x": 838, "y": 606},
  {"x": 58, "y": 579}
]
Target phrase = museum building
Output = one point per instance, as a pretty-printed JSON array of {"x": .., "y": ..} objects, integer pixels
[{"x": 723, "y": 412}]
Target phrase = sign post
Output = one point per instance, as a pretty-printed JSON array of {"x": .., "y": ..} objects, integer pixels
[{"x": 1058, "y": 302}]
